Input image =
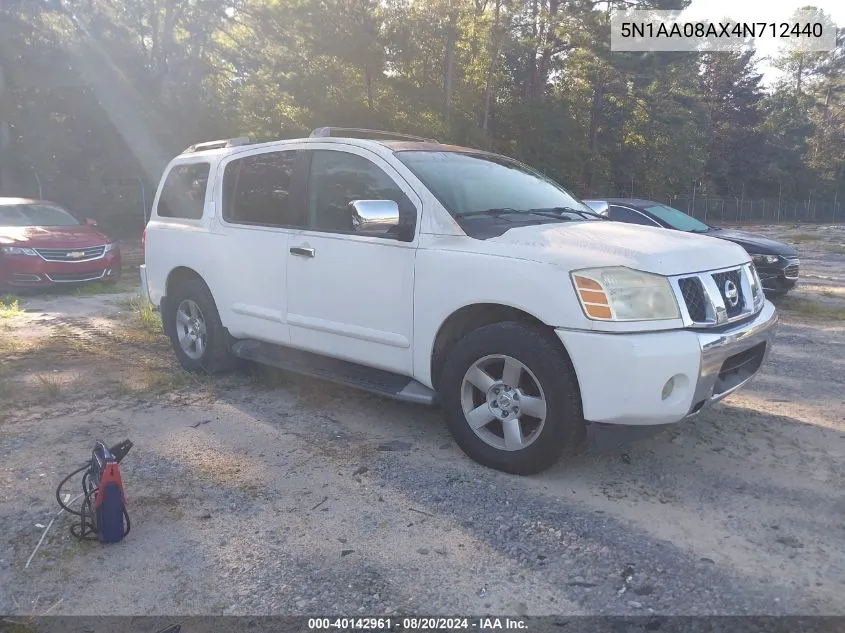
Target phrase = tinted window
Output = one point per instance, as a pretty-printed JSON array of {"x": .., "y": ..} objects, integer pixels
[
  {"x": 35, "y": 215},
  {"x": 470, "y": 183},
  {"x": 620, "y": 214},
  {"x": 257, "y": 190},
  {"x": 338, "y": 178},
  {"x": 677, "y": 219},
  {"x": 183, "y": 194}
]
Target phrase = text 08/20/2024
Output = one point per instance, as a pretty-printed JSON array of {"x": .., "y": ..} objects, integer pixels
[{"x": 397, "y": 624}]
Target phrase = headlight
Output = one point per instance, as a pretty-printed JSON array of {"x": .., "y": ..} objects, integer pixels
[
  {"x": 17, "y": 250},
  {"x": 110, "y": 247},
  {"x": 764, "y": 259},
  {"x": 623, "y": 294}
]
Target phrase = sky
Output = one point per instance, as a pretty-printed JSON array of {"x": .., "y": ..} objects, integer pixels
[{"x": 762, "y": 11}]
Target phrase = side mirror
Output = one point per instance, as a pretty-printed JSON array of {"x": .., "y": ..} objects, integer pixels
[
  {"x": 599, "y": 206},
  {"x": 90, "y": 222},
  {"x": 374, "y": 217}
]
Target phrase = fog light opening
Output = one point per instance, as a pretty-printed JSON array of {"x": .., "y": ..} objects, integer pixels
[{"x": 668, "y": 388}]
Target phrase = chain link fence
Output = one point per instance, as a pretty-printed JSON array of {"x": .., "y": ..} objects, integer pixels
[{"x": 736, "y": 210}]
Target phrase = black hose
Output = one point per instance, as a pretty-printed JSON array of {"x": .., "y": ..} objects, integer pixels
[
  {"x": 59, "y": 490},
  {"x": 87, "y": 526}
]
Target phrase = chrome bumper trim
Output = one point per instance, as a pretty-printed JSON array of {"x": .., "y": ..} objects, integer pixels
[
  {"x": 76, "y": 281},
  {"x": 717, "y": 347}
]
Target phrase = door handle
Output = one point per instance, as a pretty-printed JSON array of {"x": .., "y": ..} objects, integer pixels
[{"x": 304, "y": 252}]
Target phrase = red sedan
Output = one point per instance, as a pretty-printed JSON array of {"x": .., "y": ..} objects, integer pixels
[{"x": 42, "y": 244}]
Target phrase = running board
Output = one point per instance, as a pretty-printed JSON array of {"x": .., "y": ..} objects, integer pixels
[{"x": 376, "y": 381}]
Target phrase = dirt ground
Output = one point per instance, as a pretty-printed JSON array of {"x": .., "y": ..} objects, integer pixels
[{"x": 265, "y": 493}]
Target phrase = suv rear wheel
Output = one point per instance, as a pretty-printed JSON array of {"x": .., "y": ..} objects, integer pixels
[
  {"x": 511, "y": 399},
  {"x": 199, "y": 339}
]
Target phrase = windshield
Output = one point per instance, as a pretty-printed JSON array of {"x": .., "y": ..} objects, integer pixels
[
  {"x": 35, "y": 215},
  {"x": 474, "y": 184},
  {"x": 677, "y": 219}
]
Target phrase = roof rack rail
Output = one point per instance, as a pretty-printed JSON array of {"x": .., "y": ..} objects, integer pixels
[
  {"x": 323, "y": 132},
  {"x": 227, "y": 142}
]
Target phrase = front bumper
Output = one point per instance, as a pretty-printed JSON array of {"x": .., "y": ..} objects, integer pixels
[
  {"x": 780, "y": 277},
  {"x": 27, "y": 271},
  {"x": 624, "y": 378}
]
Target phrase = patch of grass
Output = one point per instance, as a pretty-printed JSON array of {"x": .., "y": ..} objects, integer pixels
[
  {"x": 10, "y": 306},
  {"x": 809, "y": 308},
  {"x": 158, "y": 378},
  {"x": 145, "y": 313},
  {"x": 8, "y": 344},
  {"x": 805, "y": 237},
  {"x": 50, "y": 387},
  {"x": 100, "y": 288},
  {"x": 837, "y": 249}
]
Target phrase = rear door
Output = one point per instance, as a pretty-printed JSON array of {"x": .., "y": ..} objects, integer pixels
[{"x": 261, "y": 197}]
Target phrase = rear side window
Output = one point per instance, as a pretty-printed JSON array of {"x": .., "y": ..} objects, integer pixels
[
  {"x": 621, "y": 214},
  {"x": 258, "y": 190},
  {"x": 183, "y": 193}
]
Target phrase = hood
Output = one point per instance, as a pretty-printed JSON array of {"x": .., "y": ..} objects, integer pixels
[
  {"x": 51, "y": 236},
  {"x": 650, "y": 249},
  {"x": 756, "y": 244}
]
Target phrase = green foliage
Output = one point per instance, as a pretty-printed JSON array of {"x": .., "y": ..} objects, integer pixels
[
  {"x": 98, "y": 93},
  {"x": 10, "y": 307}
]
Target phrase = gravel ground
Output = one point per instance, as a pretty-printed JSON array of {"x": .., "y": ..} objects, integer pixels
[{"x": 266, "y": 493}]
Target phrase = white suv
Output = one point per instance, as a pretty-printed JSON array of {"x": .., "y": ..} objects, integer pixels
[{"x": 445, "y": 275}]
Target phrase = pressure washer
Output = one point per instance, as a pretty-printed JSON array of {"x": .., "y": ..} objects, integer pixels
[{"x": 103, "y": 513}]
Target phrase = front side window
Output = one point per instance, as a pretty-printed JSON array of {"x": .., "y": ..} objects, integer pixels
[
  {"x": 35, "y": 215},
  {"x": 469, "y": 184},
  {"x": 183, "y": 193},
  {"x": 337, "y": 178},
  {"x": 678, "y": 219},
  {"x": 258, "y": 190}
]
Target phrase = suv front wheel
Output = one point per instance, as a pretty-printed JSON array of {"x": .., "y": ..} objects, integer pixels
[
  {"x": 193, "y": 324},
  {"x": 511, "y": 399}
]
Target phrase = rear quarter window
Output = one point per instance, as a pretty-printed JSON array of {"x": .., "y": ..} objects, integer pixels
[{"x": 183, "y": 192}]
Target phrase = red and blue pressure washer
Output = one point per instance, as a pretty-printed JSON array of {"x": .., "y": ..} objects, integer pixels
[{"x": 103, "y": 513}]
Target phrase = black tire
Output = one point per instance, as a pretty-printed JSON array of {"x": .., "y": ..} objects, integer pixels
[
  {"x": 216, "y": 356},
  {"x": 564, "y": 429}
]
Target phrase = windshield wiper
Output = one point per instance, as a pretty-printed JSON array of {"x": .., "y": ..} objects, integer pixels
[
  {"x": 495, "y": 212},
  {"x": 561, "y": 210},
  {"x": 557, "y": 213}
]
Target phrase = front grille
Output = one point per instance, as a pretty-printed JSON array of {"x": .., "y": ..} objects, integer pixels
[
  {"x": 71, "y": 254},
  {"x": 791, "y": 271},
  {"x": 71, "y": 277},
  {"x": 694, "y": 298},
  {"x": 729, "y": 284}
]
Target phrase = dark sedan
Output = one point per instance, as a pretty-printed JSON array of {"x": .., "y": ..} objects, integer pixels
[{"x": 777, "y": 263}]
